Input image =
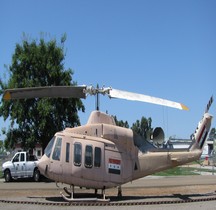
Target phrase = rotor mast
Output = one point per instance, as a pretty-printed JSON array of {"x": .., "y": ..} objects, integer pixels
[
  {"x": 96, "y": 91},
  {"x": 97, "y": 99}
]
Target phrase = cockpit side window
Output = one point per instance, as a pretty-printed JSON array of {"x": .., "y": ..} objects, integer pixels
[
  {"x": 57, "y": 150},
  {"x": 77, "y": 154},
  {"x": 49, "y": 147}
]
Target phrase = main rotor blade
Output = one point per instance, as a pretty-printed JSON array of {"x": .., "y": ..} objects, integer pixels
[
  {"x": 114, "y": 93},
  {"x": 47, "y": 91}
]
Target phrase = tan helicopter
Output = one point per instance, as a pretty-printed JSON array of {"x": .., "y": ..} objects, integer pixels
[{"x": 101, "y": 155}]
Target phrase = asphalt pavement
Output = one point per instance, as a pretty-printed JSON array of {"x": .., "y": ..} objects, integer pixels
[{"x": 149, "y": 188}]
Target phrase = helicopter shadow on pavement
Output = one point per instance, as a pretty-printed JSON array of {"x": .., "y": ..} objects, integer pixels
[{"x": 133, "y": 198}]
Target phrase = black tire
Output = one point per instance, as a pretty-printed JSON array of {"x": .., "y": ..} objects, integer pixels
[
  {"x": 36, "y": 175},
  {"x": 7, "y": 175}
]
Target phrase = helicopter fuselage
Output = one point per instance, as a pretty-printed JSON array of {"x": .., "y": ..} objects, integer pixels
[
  {"x": 101, "y": 155},
  {"x": 91, "y": 159}
]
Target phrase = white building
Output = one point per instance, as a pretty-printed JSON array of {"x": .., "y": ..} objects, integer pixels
[{"x": 185, "y": 143}]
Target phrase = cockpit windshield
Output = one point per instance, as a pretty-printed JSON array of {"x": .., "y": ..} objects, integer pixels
[{"x": 49, "y": 147}]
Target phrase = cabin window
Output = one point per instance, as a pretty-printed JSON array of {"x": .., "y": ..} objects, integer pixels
[
  {"x": 67, "y": 158},
  {"x": 88, "y": 156},
  {"x": 22, "y": 158},
  {"x": 16, "y": 158},
  {"x": 97, "y": 160},
  {"x": 57, "y": 150},
  {"x": 77, "y": 154}
]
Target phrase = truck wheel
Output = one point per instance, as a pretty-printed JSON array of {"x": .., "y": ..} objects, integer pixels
[
  {"x": 36, "y": 175},
  {"x": 7, "y": 176}
]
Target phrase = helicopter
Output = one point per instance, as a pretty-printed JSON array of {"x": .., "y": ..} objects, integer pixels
[{"x": 102, "y": 155}]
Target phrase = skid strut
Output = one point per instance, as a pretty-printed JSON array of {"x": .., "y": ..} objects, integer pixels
[
  {"x": 119, "y": 192},
  {"x": 72, "y": 199}
]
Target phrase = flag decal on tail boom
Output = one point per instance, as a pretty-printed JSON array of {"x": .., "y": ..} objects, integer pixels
[{"x": 202, "y": 137}]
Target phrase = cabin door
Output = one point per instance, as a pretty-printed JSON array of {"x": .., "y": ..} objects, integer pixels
[
  {"x": 88, "y": 160},
  {"x": 93, "y": 161}
]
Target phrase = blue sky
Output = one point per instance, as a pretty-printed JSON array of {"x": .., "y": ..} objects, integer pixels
[{"x": 160, "y": 48}]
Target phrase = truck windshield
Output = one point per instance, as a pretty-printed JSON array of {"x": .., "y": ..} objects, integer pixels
[{"x": 49, "y": 147}]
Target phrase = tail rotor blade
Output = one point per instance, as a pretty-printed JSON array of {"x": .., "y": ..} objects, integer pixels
[
  {"x": 209, "y": 104},
  {"x": 114, "y": 93}
]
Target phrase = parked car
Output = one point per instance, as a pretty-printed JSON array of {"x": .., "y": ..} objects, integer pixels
[{"x": 22, "y": 165}]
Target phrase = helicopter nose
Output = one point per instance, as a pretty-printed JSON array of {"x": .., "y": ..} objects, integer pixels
[{"x": 43, "y": 164}]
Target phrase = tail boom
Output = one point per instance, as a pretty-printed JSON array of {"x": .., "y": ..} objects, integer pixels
[{"x": 157, "y": 160}]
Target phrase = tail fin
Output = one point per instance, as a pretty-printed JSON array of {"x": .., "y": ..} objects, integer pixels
[{"x": 200, "y": 135}]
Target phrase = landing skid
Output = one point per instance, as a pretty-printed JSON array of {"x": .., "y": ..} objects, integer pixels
[{"x": 72, "y": 199}]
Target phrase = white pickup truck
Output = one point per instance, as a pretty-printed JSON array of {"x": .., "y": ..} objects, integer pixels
[{"x": 22, "y": 165}]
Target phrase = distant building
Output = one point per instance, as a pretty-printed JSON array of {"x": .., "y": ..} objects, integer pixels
[
  {"x": 38, "y": 151},
  {"x": 174, "y": 143}
]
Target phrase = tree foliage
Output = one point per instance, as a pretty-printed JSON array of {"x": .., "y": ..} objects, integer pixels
[
  {"x": 121, "y": 123},
  {"x": 143, "y": 127},
  {"x": 212, "y": 134},
  {"x": 38, "y": 63}
]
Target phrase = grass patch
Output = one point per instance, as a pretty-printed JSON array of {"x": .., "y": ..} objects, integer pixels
[
  {"x": 182, "y": 171},
  {"x": 1, "y": 174},
  {"x": 177, "y": 171}
]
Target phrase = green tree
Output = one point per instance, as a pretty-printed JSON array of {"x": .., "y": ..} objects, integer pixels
[
  {"x": 38, "y": 63},
  {"x": 212, "y": 134},
  {"x": 1, "y": 146},
  {"x": 143, "y": 127},
  {"x": 121, "y": 123}
]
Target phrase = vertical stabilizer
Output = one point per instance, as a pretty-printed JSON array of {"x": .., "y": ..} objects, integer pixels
[{"x": 200, "y": 135}]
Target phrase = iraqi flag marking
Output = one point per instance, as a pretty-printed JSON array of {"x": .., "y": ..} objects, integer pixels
[
  {"x": 202, "y": 137},
  {"x": 114, "y": 166}
]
